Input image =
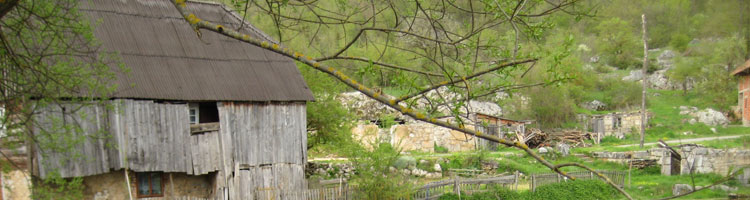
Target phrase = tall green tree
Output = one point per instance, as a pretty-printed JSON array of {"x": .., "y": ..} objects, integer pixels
[{"x": 48, "y": 54}]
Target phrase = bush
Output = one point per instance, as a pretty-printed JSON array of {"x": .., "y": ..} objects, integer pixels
[
  {"x": 440, "y": 149},
  {"x": 373, "y": 175}
]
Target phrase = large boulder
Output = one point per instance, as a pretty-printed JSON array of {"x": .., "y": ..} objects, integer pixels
[
  {"x": 706, "y": 116},
  {"x": 635, "y": 75},
  {"x": 712, "y": 117},
  {"x": 679, "y": 189},
  {"x": 665, "y": 59},
  {"x": 660, "y": 80},
  {"x": 594, "y": 105},
  {"x": 370, "y": 109},
  {"x": 563, "y": 148}
]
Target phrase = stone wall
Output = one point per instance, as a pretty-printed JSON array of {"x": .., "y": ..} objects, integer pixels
[
  {"x": 613, "y": 124},
  {"x": 415, "y": 137},
  {"x": 708, "y": 160},
  {"x": 112, "y": 185},
  {"x": 699, "y": 159},
  {"x": 15, "y": 184}
]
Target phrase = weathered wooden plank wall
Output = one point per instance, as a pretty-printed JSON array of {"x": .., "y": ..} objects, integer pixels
[
  {"x": 268, "y": 144},
  {"x": 263, "y": 145}
]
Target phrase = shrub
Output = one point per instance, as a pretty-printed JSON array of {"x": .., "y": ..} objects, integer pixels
[{"x": 440, "y": 149}]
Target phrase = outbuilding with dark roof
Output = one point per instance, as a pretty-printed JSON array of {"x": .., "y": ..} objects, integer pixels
[{"x": 192, "y": 118}]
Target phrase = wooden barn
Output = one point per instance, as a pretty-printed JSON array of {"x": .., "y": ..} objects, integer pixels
[
  {"x": 192, "y": 118},
  {"x": 743, "y": 86}
]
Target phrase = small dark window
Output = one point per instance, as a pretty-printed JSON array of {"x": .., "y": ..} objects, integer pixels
[
  {"x": 149, "y": 184},
  {"x": 204, "y": 112}
]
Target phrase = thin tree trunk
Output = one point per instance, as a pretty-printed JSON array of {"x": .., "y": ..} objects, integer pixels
[{"x": 645, "y": 81}]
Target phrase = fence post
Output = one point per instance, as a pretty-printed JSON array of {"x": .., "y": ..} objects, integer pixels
[
  {"x": 457, "y": 184},
  {"x": 533, "y": 187},
  {"x": 516, "y": 181},
  {"x": 558, "y": 178}
]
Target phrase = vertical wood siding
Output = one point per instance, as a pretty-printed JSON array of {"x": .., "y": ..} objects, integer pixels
[{"x": 257, "y": 147}]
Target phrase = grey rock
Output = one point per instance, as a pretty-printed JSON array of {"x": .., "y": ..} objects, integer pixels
[
  {"x": 542, "y": 150},
  {"x": 404, "y": 162},
  {"x": 418, "y": 172},
  {"x": 635, "y": 75},
  {"x": 679, "y": 189},
  {"x": 594, "y": 59},
  {"x": 711, "y": 117},
  {"x": 563, "y": 148},
  {"x": 594, "y": 105},
  {"x": 437, "y": 168},
  {"x": 724, "y": 188},
  {"x": 434, "y": 175},
  {"x": 665, "y": 59}
]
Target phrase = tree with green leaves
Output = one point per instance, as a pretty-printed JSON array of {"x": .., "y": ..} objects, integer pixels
[
  {"x": 48, "y": 54},
  {"x": 443, "y": 54}
]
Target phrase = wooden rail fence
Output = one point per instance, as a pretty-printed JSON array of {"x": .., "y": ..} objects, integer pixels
[
  {"x": 618, "y": 177},
  {"x": 340, "y": 190}
]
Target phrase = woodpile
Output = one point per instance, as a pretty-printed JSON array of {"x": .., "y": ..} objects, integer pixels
[
  {"x": 642, "y": 163},
  {"x": 537, "y": 138},
  {"x": 534, "y": 138}
]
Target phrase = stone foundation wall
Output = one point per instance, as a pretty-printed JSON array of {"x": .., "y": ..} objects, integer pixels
[
  {"x": 699, "y": 159},
  {"x": 15, "y": 184},
  {"x": 708, "y": 160},
  {"x": 415, "y": 137},
  {"x": 112, "y": 186}
]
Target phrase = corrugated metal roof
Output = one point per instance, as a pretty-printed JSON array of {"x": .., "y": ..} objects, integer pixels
[{"x": 168, "y": 61}]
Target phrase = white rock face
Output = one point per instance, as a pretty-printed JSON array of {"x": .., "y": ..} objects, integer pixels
[
  {"x": 659, "y": 80},
  {"x": 712, "y": 117},
  {"x": 706, "y": 116},
  {"x": 437, "y": 168},
  {"x": 371, "y": 109},
  {"x": 665, "y": 59},
  {"x": 594, "y": 105},
  {"x": 418, "y": 172},
  {"x": 635, "y": 75}
]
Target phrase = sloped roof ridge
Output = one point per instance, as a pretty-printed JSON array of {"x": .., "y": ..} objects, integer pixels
[{"x": 238, "y": 18}]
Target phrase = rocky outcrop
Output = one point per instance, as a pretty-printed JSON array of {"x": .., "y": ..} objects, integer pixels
[
  {"x": 665, "y": 59},
  {"x": 635, "y": 75},
  {"x": 370, "y": 109},
  {"x": 660, "y": 80},
  {"x": 706, "y": 116},
  {"x": 594, "y": 105}
]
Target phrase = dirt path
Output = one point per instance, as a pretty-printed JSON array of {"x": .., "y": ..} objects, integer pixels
[{"x": 691, "y": 140}]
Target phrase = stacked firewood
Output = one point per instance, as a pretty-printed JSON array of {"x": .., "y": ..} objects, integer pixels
[
  {"x": 534, "y": 137},
  {"x": 537, "y": 138},
  {"x": 642, "y": 163}
]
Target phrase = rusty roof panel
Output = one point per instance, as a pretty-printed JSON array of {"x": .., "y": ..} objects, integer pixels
[{"x": 168, "y": 61}]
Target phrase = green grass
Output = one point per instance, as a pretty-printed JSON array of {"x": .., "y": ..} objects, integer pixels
[
  {"x": 741, "y": 142},
  {"x": 649, "y": 184},
  {"x": 585, "y": 189}
]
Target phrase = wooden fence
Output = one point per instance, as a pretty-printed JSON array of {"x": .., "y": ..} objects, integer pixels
[
  {"x": 618, "y": 177},
  {"x": 458, "y": 185},
  {"x": 430, "y": 191}
]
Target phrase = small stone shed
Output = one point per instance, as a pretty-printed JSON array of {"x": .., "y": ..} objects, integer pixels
[
  {"x": 500, "y": 127},
  {"x": 613, "y": 124},
  {"x": 743, "y": 88},
  {"x": 193, "y": 118}
]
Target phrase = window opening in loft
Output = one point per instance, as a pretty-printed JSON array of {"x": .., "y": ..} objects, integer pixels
[
  {"x": 149, "y": 184},
  {"x": 203, "y": 112}
]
